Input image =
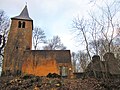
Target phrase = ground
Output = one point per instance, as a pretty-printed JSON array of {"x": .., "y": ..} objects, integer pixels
[{"x": 30, "y": 82}]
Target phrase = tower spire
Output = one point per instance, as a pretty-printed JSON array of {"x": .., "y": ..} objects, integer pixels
[
  {"x": 24, "y": 15},
  {"x": 26, "y": 3}
]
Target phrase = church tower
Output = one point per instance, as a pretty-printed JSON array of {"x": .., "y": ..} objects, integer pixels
[{"x": 19, "y": 40}]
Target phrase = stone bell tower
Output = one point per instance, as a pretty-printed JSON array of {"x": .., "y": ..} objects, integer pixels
[{"x": 19, "y": 40}]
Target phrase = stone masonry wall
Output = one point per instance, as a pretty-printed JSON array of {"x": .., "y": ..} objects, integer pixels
[
  {"x": 38, "y": 65},
  {"x": 18, "y": 40},
  {"x": 41, "y": 63}
]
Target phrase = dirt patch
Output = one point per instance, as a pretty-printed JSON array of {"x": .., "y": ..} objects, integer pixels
[{"x": 30, "y": 82}]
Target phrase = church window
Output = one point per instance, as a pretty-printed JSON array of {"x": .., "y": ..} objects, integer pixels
[
  {"x": 19, "y": 24},
  {"x": 17, "y": 47},
  {"x": 23, "y": 25},
  {"x": 63, "y": 71}
]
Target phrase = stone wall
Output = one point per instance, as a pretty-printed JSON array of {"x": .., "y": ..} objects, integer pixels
[
  {"x": 19, "y": 39},
  {"x": 112, "y": 63},
  {"x": 37, "y": 64},
  {"x": 43, "y": 62}
]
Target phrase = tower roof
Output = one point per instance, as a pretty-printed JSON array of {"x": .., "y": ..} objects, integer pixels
[{"x": 24, "y": 15}]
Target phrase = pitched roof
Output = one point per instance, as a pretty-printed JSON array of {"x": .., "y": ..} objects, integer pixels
[
  {"x": 24, "y": 15},
  {"x": 61, "y": 56}
]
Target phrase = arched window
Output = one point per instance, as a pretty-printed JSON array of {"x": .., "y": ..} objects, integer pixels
[
  {"x": 16, "y": 47},
  {"x": 19, "y": 24},
  {"x": 23, "y": 25}
]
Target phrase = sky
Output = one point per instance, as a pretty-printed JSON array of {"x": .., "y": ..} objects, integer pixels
[{"x": 55, "y": 17}]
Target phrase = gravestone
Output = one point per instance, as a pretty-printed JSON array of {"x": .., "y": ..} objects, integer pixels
[
  {"x": 112, "y": 63},
  {"x": 95, "y": 67}
]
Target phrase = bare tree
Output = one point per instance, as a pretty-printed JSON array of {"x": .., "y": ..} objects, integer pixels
[
  {"x": 54, "y": 44},
  {"x": 2, "y": 43},
  {"x": 38, "y": 37},
  {"x": 81, "y": 28},
  {"x": 83, "y": 60},
  {"x": 74, "y": 61},
  {"x": 80, "y": 61},
  {"x": 108, "y": 20},
  {"x": 4, "y": 25},
  {"x": 99, "y": 26}
]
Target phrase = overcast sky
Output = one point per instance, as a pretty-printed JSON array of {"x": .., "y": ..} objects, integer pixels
[{"x": 53, "y": 16}]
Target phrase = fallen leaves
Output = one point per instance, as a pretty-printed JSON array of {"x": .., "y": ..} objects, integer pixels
[{"x": 31, "y": 82}]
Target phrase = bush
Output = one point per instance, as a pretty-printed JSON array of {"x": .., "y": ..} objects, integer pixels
[
  {"x": 53, "y": 75},
  {"x": 27, "y": 76}
]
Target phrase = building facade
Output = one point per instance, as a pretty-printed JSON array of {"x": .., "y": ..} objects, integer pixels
[{"x": 19, "y": 58}]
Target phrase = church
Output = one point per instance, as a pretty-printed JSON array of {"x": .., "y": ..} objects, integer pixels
[{"x": 19, "y": 58}]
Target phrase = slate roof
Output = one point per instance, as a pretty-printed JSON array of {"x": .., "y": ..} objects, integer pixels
[
  {"x": 24, "y": 15},
  {"x": 61, "y": 56}
]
